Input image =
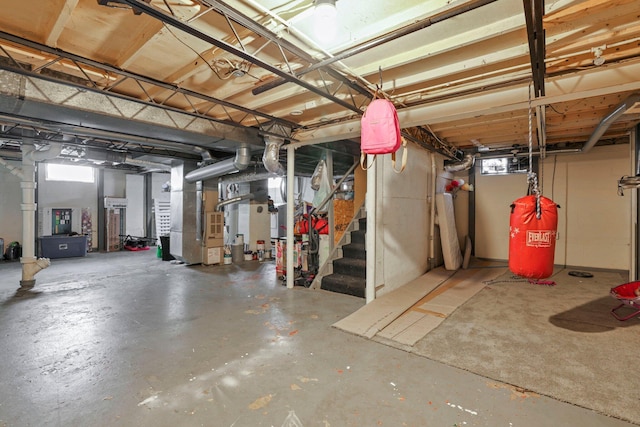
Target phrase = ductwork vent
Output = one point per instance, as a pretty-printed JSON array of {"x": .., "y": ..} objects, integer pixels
[
  {"x": 271, "y": 156},
  {"x": 99, "y": 156},
  {"x": 206, "y": 155},
  {"x": 604, "y": 124},
  {"x": 467, "y": 163},
  {"x": 54, "y": 149},
  {"x": 240, "y": 162}
]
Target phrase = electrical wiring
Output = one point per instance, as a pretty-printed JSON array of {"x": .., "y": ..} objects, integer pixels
[{"x": 215, "y": 71}]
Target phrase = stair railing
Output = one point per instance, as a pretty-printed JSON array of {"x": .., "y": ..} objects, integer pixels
[
  {"x": 314, "y": 244},
  {"x": 335, "y": 189},
  {"x": 327, "y": 267}
]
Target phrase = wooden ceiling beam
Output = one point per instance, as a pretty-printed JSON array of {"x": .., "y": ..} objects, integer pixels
[
  {"x": 148, "y": 31},
  {"x": 60, "y": 21}
]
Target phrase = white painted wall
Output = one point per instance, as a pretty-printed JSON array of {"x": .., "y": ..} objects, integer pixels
[
  {"x": 402, "y": 221},
  {"x": 134, "y": 192},
  {"x": 158, "y": 179},
  {"x": 114, "y": 183},
  {"x": 74, "y": 195},
  {"x": 494, "y": 195},
  {"x": 594, "y": 223},
  {"x": 10, "y": 199},
  {"x": 50, "y": 195}
]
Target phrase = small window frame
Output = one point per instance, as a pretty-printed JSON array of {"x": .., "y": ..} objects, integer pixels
[
  {"x": 504, "y": 166},
  {"x": 56, "y": 172}
]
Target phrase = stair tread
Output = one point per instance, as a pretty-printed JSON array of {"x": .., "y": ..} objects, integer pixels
[
  {"x": 356, "y": 262},
  {"x": 349, "y": 275},
  {"x": 355, "y": 245},
  {"x": 358, "y": 236},
  {"x": 346, "y": 277},
  {"x": 344, "y": 284},
  {"x": 354, "y": 250}
]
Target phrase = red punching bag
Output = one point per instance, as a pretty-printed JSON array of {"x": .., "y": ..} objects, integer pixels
[{"x": 532, "y": 239}]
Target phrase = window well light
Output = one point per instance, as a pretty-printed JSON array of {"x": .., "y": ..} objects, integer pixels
[{"x": 325, "y": 17}]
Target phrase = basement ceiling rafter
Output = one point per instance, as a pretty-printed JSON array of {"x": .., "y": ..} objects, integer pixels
[
  {"x": 88, "y": 68},
  {"x": 458, "y": 71}
]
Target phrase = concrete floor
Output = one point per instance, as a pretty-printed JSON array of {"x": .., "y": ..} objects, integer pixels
[{"x": 125, "y": 339}]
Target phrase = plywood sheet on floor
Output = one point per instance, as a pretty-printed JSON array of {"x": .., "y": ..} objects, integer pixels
[
  {"x": 378, "y": 314},
  {"x": 431, "y": 310}
]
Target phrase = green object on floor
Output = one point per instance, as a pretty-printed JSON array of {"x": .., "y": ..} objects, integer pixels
[{"x": 159, "y": 251}]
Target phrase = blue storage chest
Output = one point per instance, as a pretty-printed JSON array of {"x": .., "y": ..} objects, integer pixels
[{"x": 63, "y": 246}]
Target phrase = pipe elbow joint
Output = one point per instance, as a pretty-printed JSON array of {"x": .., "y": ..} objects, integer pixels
[
  {"x": 271, "y": 156},
  {"x": 243, "y": 158}
]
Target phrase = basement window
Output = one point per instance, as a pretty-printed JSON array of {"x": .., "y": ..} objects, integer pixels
[
  {"x": 505, "y": 166},
  {"x": 70, "y": 173}
]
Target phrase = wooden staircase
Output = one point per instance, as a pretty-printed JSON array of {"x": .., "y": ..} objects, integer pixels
[{"x": 350, "y": 272}]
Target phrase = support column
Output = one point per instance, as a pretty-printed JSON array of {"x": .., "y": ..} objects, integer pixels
[
  {"x": 30, "y": 265},
  {"x": 634, "y": 264},
  {"x": 291, "y": 162},
  {"x": 370, "y": 236},
  {"x": 102, "y": 220}
]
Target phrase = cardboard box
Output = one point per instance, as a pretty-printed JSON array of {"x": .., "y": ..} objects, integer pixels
[
  {"x": 212, "y": 256},
  {"x": 213, "y": 243},
  {"x": 213, "y": 227},
  {"x": 210, "y": 200}
]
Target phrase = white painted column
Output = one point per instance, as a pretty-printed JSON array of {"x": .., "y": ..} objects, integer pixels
[
  {"x": 30, "y": 265},
  {"x": 633, "y": 253},
  {"x": 370, "y": 241},
  {"x": 432, "y": 212},
  {"x": 291, "y": 159}
]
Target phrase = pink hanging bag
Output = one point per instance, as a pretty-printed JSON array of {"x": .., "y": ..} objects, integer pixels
[{"x": 380, "y": 133}]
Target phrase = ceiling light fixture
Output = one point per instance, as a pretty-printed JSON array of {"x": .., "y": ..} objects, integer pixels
[
  {"x": 325, "y": 20},
  {"x": 598, "y": 60}
]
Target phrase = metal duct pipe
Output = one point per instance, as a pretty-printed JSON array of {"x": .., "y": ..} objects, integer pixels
[
  {"x": 11, "y": 155},
  {"x": 240, "y": 162},
  {"x": 54, "y": 150},
  {"x": 246, "y": 176},
  {"x": 608, "y": 121},
  {"x": 271, "y": 155},
  {"x": 199, "y": 212},
  {"x": 248, "y": 196},
  {"x": 144, "y": 163},
  {"x": 99, "y": 156},
  {"x": 105, "y": 156},
  {"x": 466, "y": 164},
  {"x": 206, "y": 155},
  {"x": 13, "y": 169}
]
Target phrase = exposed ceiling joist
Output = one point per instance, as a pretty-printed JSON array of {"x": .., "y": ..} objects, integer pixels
[
  {"x": 533, "y": 12},
  {"x": 462, "y": 83}
]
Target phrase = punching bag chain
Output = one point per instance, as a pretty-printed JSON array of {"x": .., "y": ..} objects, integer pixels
[{"x": 532, "y": 178}]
